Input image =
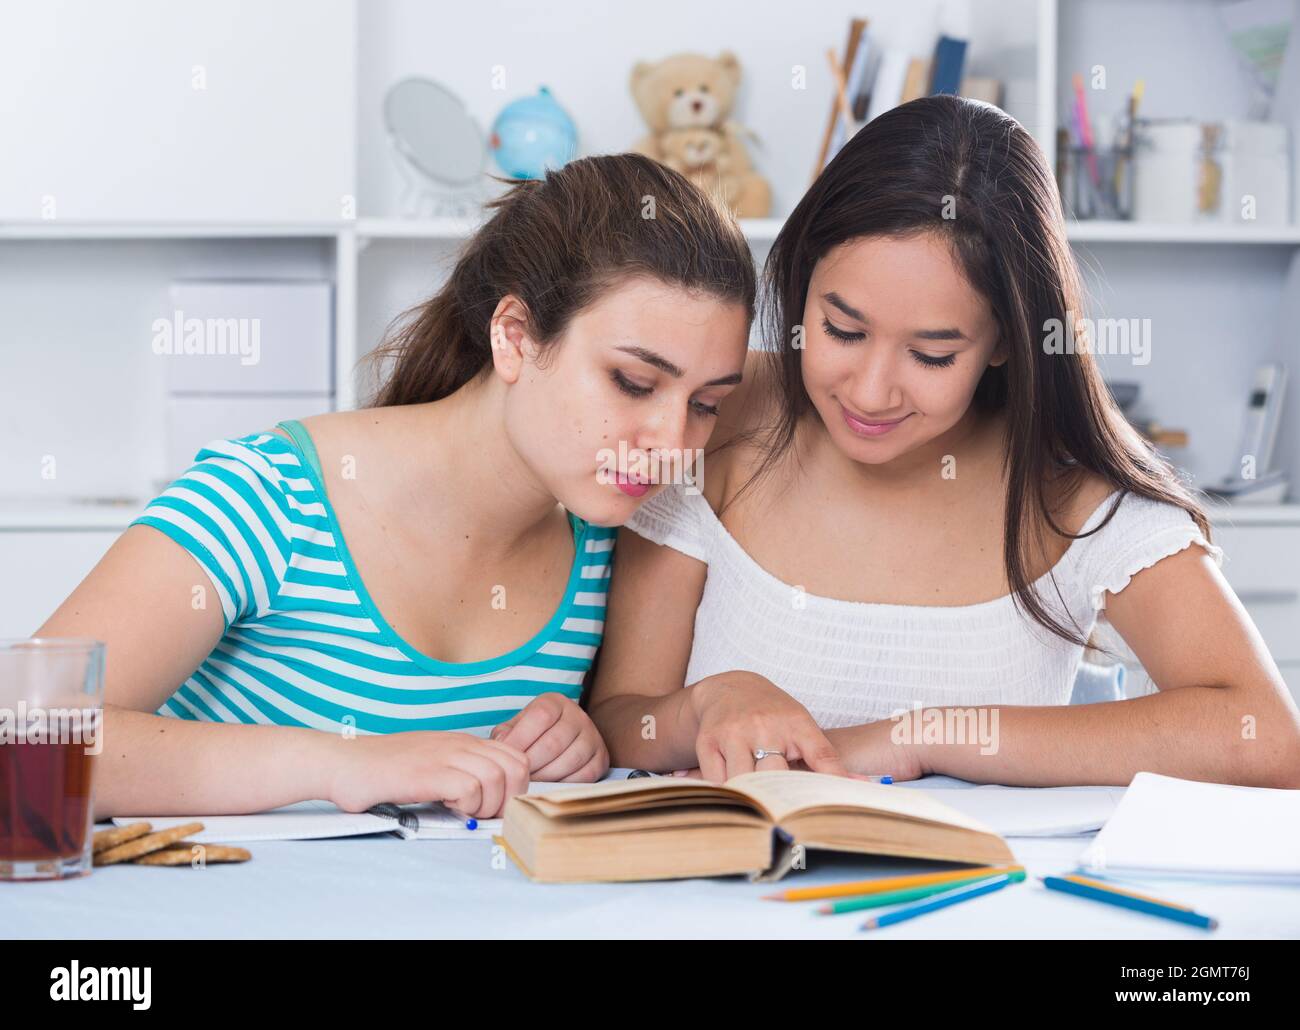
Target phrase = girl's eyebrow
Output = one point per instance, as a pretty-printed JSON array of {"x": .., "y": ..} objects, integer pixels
[
  {"x": 940, "y": 334},
  {"x": 920, "y": 334},
  {"x": 843, "y": 305},
  {"x": 664, "y": 365}
]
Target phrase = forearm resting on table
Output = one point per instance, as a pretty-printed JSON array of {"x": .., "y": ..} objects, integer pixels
[
  {"x": 154, "y": 765},
  {"x": 652, "y": 732},
  {"x": 1214, "y": 734}
]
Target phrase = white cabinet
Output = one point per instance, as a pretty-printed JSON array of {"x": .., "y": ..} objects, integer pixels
[
  {"x": 1262, "y": 562},
  {"x": 161, "y": 111},
  {"x": 193, "y": 422},
  {"x": 247, "y": 336},
  {"x": 38, "y": 570}
]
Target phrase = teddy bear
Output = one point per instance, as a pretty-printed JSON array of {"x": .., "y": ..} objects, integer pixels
[
  {"x": 686, "y": 100},
  {"x": 701, "y": 155}
]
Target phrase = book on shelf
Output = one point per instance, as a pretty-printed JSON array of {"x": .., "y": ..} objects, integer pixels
[{"x": 878, "y": 77}]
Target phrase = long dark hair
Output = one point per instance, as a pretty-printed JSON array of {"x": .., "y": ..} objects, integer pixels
[
  {"x": 558, "y": 244},
  {"x": 900, "y": 175}
]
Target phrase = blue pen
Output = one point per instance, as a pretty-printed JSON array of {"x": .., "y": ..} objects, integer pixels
[
  {"x": 952, "y": 897},
  {"x": 470, "y": 822}
]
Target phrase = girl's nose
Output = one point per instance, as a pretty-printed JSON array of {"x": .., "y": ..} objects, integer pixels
[
  {"x": 875, "y": 389},
  {"x": 665, "y": 431}
]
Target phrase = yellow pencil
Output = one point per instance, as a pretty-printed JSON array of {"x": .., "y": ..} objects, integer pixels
[
  {"x": 843, "y": 890},
  {"x": 1103, "y": 885}
]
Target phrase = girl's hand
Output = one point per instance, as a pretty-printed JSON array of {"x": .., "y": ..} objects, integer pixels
[
  {"x": 740, "y": 712},
  {"x": 558, "y": 738},
  {"x": 869, "y": 751},
  {"x": 466, "y": 773}
]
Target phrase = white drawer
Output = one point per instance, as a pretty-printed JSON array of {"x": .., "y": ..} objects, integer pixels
[
  {"x": 1262, "y": 563},
  {"x": 193, "y": 422},
  {"x": 247, "y": 337},
  {"x": 38, "y": 570},
  {"x": 1291, "y": 675}
]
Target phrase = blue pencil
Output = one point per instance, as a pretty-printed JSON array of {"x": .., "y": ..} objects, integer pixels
[
  {"x": 1151, "y": 908},
  {"x": 952, "y": 897}
]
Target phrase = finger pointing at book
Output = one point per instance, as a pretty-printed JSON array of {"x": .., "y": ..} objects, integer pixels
[{"x": 747, "y": 723}]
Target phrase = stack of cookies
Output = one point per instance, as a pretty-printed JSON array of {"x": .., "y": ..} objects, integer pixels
[{"x": 139, "y": 845}]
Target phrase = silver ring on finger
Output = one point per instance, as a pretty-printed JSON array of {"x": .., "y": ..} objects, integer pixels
[{"x": 764, "y": 752}]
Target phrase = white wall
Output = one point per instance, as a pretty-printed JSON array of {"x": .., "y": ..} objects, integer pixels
[
  {"x": 584, "y": 51},
  {"x": 101, "y": 114},
  {"x": 97, "y": 110}
]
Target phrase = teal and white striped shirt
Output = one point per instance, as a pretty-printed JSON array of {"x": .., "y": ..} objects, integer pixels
[{"x": 304, "y": 644}]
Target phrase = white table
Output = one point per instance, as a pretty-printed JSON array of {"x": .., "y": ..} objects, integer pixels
[{"x": 385, "y": 887}]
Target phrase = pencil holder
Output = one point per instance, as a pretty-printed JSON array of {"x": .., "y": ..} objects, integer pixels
[{"x": 1097, "y": 182}]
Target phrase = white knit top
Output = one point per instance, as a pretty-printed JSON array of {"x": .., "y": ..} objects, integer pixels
[{"x": 850, "y": 662}]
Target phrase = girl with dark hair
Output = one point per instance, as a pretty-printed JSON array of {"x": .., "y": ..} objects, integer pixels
[
  {"x": 916, "y": 515},
  {"x": 401, "y": 603}
]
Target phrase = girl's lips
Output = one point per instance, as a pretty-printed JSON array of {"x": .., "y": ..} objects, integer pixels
[
  {"x": 864, "y": 427},
  {"x": 630, "y": 486}
]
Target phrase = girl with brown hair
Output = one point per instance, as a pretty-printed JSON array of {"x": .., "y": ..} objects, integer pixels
[{"x": 400, "y": 603}]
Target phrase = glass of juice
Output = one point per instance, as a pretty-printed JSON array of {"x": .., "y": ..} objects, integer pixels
[{"x": 51, "y": 729}]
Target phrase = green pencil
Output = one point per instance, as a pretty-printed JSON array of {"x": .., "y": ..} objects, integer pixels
[{"x": 907, "y": 894}]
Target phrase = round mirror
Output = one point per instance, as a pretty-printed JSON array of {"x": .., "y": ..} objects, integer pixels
[{"x": 432, "y": 129}]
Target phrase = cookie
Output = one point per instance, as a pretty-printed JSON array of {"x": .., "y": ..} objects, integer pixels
[
  {"x": 105, "y": 839},
  {"x": 144, "y": 845},
  {"x": 182, "y": 853}
]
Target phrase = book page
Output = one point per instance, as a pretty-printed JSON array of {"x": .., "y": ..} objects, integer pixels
[
  {"x": 575, "y": 794},
  {"x": 784, "y": 794}
]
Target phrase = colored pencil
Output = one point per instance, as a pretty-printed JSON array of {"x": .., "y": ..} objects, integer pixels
[
  {"x": 835, "y": 908},
  {"x": 1074, "y": 878},
  {"x": 1112, "y": 897},
  {"x": 952, "y": 897},
  {"x": 889, "y": 883}
]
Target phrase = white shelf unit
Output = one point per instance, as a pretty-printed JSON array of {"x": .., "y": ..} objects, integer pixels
[{"x": 380, "y": 264}]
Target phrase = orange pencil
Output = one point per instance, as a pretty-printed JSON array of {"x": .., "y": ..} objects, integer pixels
[{"x": 845, "y": 890}]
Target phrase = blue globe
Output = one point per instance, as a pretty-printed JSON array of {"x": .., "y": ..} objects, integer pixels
[{"x": 531, "y": 135}]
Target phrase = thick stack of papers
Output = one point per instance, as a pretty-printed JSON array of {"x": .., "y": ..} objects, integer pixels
[{"x": 1186, "y": 829}]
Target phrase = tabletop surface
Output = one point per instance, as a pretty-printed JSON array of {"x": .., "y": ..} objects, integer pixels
[{"x": 381, "y": 886}]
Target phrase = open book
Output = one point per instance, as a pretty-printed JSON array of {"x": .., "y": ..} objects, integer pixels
[{"x": 670, "y": 828}]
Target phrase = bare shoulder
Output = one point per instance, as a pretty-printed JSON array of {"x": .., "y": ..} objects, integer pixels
[
  {"x": 750, "y": 405},
  {"x": 1075, "y": 496},
  {"x": 735, "y": 446},
  {"x": 328, "y": 425}
]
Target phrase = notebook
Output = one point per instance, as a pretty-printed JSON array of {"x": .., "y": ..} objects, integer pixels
[
  {"x": 313, "y": 820},
  {"x": 1031, "y": 811},
  {"x": 1185, "y": 829}
]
